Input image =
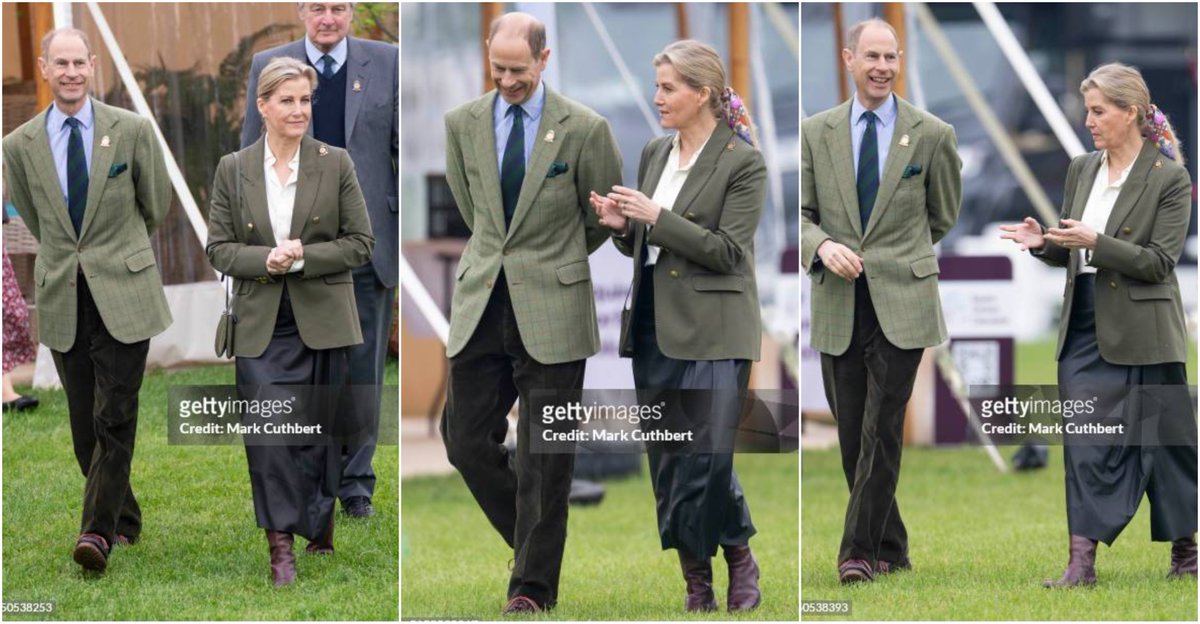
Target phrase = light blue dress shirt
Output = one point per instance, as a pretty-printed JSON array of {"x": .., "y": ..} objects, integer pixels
[
  {"x": 59, "y": 134},
  {"x": 503, "y": 123},
  {"x": 314, "y": 55},
  {"x": 885, "y": 127}
]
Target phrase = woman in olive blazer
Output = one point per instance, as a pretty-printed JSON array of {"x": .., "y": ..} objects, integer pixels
[
  {"x": 694, "y": 319},
  {"x": 287, "y": 222},
  {"x": 1122, "y": 335}
]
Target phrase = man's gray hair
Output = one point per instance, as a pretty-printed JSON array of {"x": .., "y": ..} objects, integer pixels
[
  {"x": 300, "y": 5},
  {"x": 49, "y": 38},
  {"x": 533, "y": 30}
]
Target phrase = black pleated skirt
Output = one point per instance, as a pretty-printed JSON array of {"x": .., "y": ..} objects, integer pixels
[
  {"x": 294, "y": 487},
  {"x": 1157, "y": 453},
  {"x": 698, "y": 499}
]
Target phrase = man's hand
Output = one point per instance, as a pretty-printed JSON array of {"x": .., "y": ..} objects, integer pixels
[
  {"x": 1027, "y": 234},
  {"x": 1073, "y": 235},
  {"x": 838, "y": 258}
]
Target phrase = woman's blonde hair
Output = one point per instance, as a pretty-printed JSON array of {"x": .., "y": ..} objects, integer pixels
[
  {"x": 1124, "y": 86},
  {"x": 700, "y": 66},
  {"x": 280, "y": 70}
]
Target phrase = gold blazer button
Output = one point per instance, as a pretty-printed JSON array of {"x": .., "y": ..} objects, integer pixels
[
  {"x": 1112, "y": 284},
  {"x": 489, "y": 283},
  {"x": 261, "y": 279},
  {"x": 316, "y": 219},
  {"x": 674, "y": 273},
  {"x": 691, "y": 215},
  {"x": 250, "y": 226},
  {"x": 1128, "y": 230}
]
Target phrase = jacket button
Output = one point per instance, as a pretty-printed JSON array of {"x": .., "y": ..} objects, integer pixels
[
  {"x": 489, "y": 283},
  {"x": 1112, "y": 284},
  {"x": 250, "y": 226},
  {"x": 691, "y": 215},
  {"x": 316, "y": 219},
  {"x": 674, "y": 273},
  {"x": 1127, "y": 230}
]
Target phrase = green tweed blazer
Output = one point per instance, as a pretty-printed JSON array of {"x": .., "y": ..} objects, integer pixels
[
  {"x": 544, "y": 254},
  {"x": 918, "y": 202},
  {"x": 329, "y": 218},
  {"x": 705, "y": 293},
  {"x": 128, "y": 196},
  {"x": 1139, "y": 310}
]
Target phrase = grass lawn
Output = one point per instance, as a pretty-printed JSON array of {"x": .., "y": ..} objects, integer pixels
[
  {"x": 201, "y": 555},
  {"x": 455, "y": 566}
]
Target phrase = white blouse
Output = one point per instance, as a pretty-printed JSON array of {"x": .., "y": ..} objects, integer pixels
[
  {"x": 669, "y": 185},
  {"x": 1099, "y": 206},
  {"x": 281, "y": 199}
]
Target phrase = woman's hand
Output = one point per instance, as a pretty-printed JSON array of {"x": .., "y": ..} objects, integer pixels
[
  {"x": 1074, "y": 235},
  {"x": 280, "y": 260},
  {"x": 1027, "y": 234},
  {"x": 632, "y": 204},
  {"x": 606, "y": 209}
]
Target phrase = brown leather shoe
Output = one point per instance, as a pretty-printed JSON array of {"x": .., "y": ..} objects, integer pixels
[
  {"x": 1081, "y": 566},
  {"x": 888, "y": 567},
  {"x": 323, "y": 545},
  {"x": 698, "y": 575},
  {"x": 855, "y": 571},
  {"x": 520, "y": 605},
  {"x": 283, "y": 562},
  {"x": 91, "y": 552},
  {"x": 743, "y": 594},
  {"x": 1183, "y": 557}
]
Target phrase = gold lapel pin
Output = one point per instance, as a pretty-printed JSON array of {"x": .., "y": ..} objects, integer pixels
[
  {"x": 549, "y": 137},
  {"x": 104, "y": 142},
  {"x": 322, "y": 151},
  {"x": 904, "y": 141},
  {"x": 1158, "y": 163},
  {"x": 729, "y": 148},
  {"x": 357, "y": 86}
]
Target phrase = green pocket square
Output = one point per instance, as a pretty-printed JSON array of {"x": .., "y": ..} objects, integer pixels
[
  {"x": 557, "y": 168},
  {"x": 911, "y": 171},
  {"x": 116, "y": 169}
]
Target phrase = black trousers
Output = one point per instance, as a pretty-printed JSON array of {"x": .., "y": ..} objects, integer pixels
[
  {"x": 524, "y": 497},
  {"x": 102, "y": 377},
  {"x": 366, "y": 370},
  {"x": 698, "y": 500},
  {"x": 868, "y": 388},
  {"x": 1105, "y": 484}
]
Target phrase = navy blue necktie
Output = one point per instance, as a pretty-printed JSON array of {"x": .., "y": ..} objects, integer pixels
[
  {"x": 77, "y": 175},
  {"x": 328, "y": 72},
  {"x": 868, "y": 170},
  {"x": 512, "y": 167}
]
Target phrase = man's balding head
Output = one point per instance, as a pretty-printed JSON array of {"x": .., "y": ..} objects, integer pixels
[{"x": 523, "y": 25}]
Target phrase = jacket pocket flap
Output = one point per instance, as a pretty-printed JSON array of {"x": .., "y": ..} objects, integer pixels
[
  {"x": 1149, "y": 291},
  {"x": 140, "y": 260},
  {"x": 730, "y": 283},
  {"x": 924, "y": 267},
  {"x": 574, "y": 272},
  {"x": 243, "y": 286},
  {"x": 339, "y": 278}
]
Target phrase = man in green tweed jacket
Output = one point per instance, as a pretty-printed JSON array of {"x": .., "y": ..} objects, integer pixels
[
  {"x": 521, "y": 161},
  {"x": 90, "y": 182},
  {"x": 880, "y": 186}
]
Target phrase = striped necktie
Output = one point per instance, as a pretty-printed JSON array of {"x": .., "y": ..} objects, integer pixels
[
  {"x": 512, "y": 167},
  {"x": 328, "y": 72},
  {"x": 77, "y": 175},
  {"x": 868, "y": 170}
]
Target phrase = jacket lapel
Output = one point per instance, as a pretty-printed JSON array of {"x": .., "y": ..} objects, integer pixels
[
  {"x": 356, "y": 74},
  {"x": 308, "y": 183},
  {"x": 482, "y": 136},
  {"x": 46, "y": 172},
  {"x": 706, "y": 164},
  {"x": 908, "y": 122},
  {"x": 1131, "y": 190},
  {"x": 255, "y": 188},
  {"x": 102, "y": 158},
  {"x": 1083, "y": 186},
  {"x": 837, "y": 141},
  {"x": 553, "y": 117}
]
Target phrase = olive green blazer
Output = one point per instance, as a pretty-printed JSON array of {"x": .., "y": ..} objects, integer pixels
[
  {"x": 705, "y": 294},
  {"x": 1139, "y": 310},
  {"x": 919, "y": 197},
  {"x": 330, "y": 219},
  {"x": 128, "y": 196},
  {"x": 544, "y": 254}
]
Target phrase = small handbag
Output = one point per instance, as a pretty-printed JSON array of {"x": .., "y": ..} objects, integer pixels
[{"x": 223, "y": 344}]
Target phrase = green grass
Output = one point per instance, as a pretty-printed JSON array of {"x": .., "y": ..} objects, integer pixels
[
  {"x": 981, "y": 543},
  {"x": 201, "y": 555},
  {"x": 455, "y": 566}
]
